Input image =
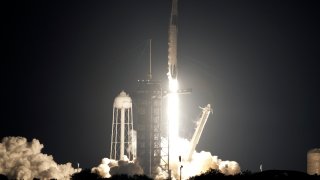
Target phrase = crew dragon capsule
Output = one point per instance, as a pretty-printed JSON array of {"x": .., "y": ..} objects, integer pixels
[{"x": 172, "y": 50}]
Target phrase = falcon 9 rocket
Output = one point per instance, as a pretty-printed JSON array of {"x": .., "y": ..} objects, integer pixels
[{"x": 172, "y": 50}]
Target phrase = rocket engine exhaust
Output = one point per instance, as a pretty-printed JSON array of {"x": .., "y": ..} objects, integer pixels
[
  {"x": 173, "y": 99},
  {"x": 193, "y": 162}
]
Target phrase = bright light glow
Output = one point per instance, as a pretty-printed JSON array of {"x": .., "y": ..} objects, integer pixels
[
  {"x": 173, "y": 111},
  {"x": 200, "y": 162}
]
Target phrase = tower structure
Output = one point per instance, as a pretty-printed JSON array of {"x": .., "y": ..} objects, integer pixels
[
  {"x": 122, "y": 137},
  {"x": 151, "y": 152},
  {"x": 148, "y": 114},
  {"x": 197, "y": 134}
]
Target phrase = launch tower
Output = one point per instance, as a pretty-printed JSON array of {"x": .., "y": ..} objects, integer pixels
[
  {"x": 148, "y": 111},
  {"x": 150, "y": 127}
]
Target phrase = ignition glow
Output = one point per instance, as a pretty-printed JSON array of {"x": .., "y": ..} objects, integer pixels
[
  {"x": 173, "y": 111},
  {"x": 200, "y": 162}
]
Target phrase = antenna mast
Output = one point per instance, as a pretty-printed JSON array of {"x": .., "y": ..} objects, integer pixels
[{"x": 150, "y": 70}]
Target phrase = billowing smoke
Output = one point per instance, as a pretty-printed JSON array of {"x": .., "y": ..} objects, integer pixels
[
  {"x": 103, "y": 169},
  {"x": 109, "y": 167},
  {"x": 20, "y": 159},
  {"x": 200, "y": 162},
  {"x": 132, "y": 147}
]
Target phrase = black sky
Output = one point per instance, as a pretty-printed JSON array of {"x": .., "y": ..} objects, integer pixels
[{"x": 256, "y": 62}]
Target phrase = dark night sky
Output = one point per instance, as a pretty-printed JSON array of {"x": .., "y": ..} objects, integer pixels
[{"x": 256, "y": 62}]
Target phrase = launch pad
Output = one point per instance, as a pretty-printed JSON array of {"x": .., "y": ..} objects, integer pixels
[
  {"x": 152, "y": 152},
  {"x": 158, "y": 137}
]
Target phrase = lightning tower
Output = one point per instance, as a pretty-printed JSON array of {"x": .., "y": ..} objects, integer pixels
[
  {"x": 152, "y": 153},
  {"x": 148, "y": 114}
]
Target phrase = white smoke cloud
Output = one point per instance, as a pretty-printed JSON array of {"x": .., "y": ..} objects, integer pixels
[
  {"x": 20, "y": 159},
  {"x": 109, "y": 167},
  {"x": 200, "y": 163},
  {"x": 103, "y": 169},
  {"x": 132, "y": 147}
]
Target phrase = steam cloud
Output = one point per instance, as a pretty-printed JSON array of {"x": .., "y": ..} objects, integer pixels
[
  {"x": 20, "y": 159},
  {"x": 109, "y": 167},
  {"x": 200, "y": 163}
]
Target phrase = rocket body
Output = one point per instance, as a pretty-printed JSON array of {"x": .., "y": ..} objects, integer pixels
[{"x": 172, "y": 43}]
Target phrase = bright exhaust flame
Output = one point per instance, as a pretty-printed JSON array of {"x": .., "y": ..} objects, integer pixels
[
  {"x": 173, "y": 112},
  {"x": 201, "y": 161}
]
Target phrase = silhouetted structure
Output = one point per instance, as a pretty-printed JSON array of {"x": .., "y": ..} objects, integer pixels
[
  {"x": 269, "y": 174},
  {"x": 134, "y": 177},
  {"x": 3, "y": 177},
  {"x": 283, "y": 174},
  {"x": 88, "y": 175},
  {"x": 85, "y": 174},
  {"x": 147, "y": 101},
  {"x": 211, "y": 174}
]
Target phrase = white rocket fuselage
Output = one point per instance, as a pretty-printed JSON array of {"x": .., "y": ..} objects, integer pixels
[{"x": 172, "y": 50}]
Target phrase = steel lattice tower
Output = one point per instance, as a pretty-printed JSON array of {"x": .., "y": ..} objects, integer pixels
[{"x": 148, "y": 105}]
